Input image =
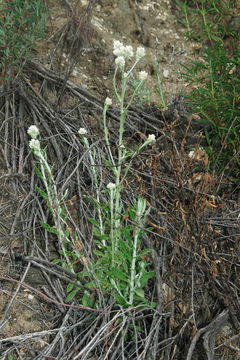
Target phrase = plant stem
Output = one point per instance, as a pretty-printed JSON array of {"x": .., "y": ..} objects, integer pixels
[{"x": 54, "y": 206}]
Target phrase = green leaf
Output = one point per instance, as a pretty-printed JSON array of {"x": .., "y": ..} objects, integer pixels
[
  {"x": 119, "y": 274},
  {"x": 99, "y": 235},
  {"x": 86, "y": 300},
  {"x": 108, "y": 163},
  {"x": 84, "y": 273},
  {"x": 68, "y": 253},
  {"x": 100, "y": 244},
  {"x": 67, "y": 233},
  {"x": 103, "y": 260},
  {"x": 132, "y": 213},
  {"x": 153, "y": 304},
  {"x": 49, "y": 228},
  {"x": 144, "y": 252},
  {"x": 71, "y": 295},
  {"x": 139, "y": 292},
  {"x": 38, "y": 172},
  {"x": 90, "y": 285},
  {"x": 120, "y": 300},
  {"x": 127, "y": 232},
  {"x": 70, "y": 287},
  {"x": 42, "y": 193},
  {"x": 102, "y": 236},
  {"x": 126, "y": 250},
  {"x": 145, "y": 277},
  {"x": 93, "y": 221},
  {"x": 57, "y": 261},
  {"x": 99, "y": 253}
]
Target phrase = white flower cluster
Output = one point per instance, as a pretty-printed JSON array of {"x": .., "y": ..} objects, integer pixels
[
  {"x": 120, "y": 60},
  {"x": 140, "y": 52},
  {"x": 125, "y": 52},
  {"x": 165, "y": 73},
  {"x": 108, "y": 101},
  {"x": 151, "y": 138},
  {"x": 33, "y": 131},
  {"x": 120, "y": 50},
  {"x": 111, "y": 186},
  {"x": 82, "y": 131},
  {"x": 142, "y": 75},
  {"x": 34, "y": 144}
]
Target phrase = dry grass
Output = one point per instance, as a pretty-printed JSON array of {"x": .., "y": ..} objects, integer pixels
[{"x": 193, "y": 228}]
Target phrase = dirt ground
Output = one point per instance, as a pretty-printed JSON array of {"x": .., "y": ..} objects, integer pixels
[
  {"x": 78, "y": 45},
  {"x": 80, "y": 42}
]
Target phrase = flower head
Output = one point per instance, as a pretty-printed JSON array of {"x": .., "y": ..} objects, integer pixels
[
  {"x": 140, "y": 52},
  {"x": 35, "y": 146},
  {"x": 120, "y": 61},
  {"x": 33, "y": 131},
  {"x": 192, "y": 154},
  {"x": 111, "y": 186},
  {"x": 118, "y": 48},
  {"x": 128, "y": 51},
  {"x": 151, "y": 137},
  {"x": 82, "y": 131},
  {"x": 142, "y": 75},
  {"x": 165, "y": 73},
  {"x": 108, "y": 101}
]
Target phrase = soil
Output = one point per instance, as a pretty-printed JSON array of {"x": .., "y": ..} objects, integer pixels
[
  {"x": 78, "y": 45},
  {"x": 80, "y": 42}
]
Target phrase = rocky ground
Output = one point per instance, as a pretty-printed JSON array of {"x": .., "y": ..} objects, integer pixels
[{"x": 78, "y": 47}]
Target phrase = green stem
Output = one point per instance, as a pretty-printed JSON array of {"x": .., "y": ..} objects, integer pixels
[
  {"x": 96, "y": 182},
  {"x": 106, "y": 138},
  {"x": 160, "y": 84},
  {"x": 51, "y": 188},
  {"x": 133, "y": 266},
  {"x": 112, "y": 239}
]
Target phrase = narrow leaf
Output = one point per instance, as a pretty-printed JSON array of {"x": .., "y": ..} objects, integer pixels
[{"x": 119, "y": 274}]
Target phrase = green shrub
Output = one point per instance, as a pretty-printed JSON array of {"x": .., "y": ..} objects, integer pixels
[
  {"x": 215, "y": 97},
  {"x": 21, "y": 25},
  {"x": 214, "y": 78}
]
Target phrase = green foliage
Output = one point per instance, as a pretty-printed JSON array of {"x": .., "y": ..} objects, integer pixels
[
  {"x": 215, "y": 80},
  {"x": 22, "y": 23},
  {"x": 159, "y": 88},
  {"x": 72, "y": 291},
  {"x": 215, "y": 98},
  {"x": 143, "y": 95},
  {"x": 115, "y": 277},
  {"x": 208, "y": 21}
]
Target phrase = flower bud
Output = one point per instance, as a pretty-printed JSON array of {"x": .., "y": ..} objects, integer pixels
[
  {"x": 108, "y": 101},
  {"x": 82, "y": 131},
  {"x": 35, "y": 145},
  {"x": 151, "y": 137},
  {"x": 33, "y": 131},
  {"x": 165, "y": 73},
  {"x": 128, "y": 51},
  {"x": 111, "y": 186},
  {"x": 140, "y": 52},
  {"x": 120, "y": 61},
  {"x": 118, "y": 48},
  {"x": 142, "y": 75}
]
